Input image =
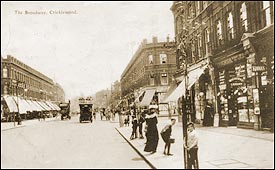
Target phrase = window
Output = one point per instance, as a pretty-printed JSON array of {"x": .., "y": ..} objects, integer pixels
[
  {"x": 193, "y": 51},
  {"x": 243, "y": 16},
  {"x": 219, "y": 32},
  {"x": 150, "y": 59},
  {"x": 164, "y": 79},
  {"x": 163, "y": 58},
  {"x": 207, "y": 39},
  {"x": 5, "y": 72},
  {"x": 230, "y": 28},
  {"x": 199, "y": 45},
  {"x": 152, "y": 79},
  {"x": 266, "y": 13}
]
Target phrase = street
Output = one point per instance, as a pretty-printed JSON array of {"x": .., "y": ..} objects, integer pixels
[{"x": 67, "y": 144}]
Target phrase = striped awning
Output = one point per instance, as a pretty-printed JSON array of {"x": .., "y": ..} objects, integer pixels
[{"x": 11, "y": 103}]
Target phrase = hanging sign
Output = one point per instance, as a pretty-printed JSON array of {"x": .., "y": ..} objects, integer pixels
[{"x": 258, "y": 68}]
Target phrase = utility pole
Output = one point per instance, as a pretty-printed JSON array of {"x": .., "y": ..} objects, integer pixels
[{"x": 185, "y": 117}]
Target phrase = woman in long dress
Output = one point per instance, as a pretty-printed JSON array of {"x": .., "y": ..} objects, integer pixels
[{"x": 152, "y": 134}]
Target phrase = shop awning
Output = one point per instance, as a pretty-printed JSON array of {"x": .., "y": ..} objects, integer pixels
[
  {"x": 38, "y": 103},
  {"x": 147, "y": 97},
  {"x": 11, "y": 103},
  {"x": 33, "y": 106},
  {"x": 137, "y": 100},
  {"x": 56, "y": 107},
  {"x": 38, "y": 107},
  {"x": 28, "y": 106},
  {"x": 178, "y": 92},
  {"x": 50, "y": 105},
  {"x": 45, "y": 106},
  {"x": 171, "y": 89},
  {"x": 22, "y": 105},
  {"x": 194, "y": 75}
]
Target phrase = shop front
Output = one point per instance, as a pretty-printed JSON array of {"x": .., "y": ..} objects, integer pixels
[
  {"x": 235, "y": 95},
  {"x": 245, "y": 84}
]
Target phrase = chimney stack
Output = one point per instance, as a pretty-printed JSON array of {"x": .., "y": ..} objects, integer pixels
[{"x": 155, "y": 39}]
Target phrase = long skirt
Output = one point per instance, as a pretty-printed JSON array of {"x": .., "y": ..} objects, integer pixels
[{"x": 152, "y": 141}]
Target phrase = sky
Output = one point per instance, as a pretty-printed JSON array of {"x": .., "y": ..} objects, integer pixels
[{"x": 84, "y": 51}]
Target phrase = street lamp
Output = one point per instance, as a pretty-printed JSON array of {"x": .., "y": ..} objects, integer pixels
[{"x": 17, "y": 104}]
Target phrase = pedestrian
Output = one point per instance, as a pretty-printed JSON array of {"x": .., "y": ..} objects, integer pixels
[
  {"x": 127, "y": 120},
  {"x": 152, "y": 134},
  {"x": 166, "y": 136},
  {"x": 134, "y": 125},
  {"x": 141, "y": 120},
  {"x": 208, "y": 119},
  {"x": 94, "y": 114},
  {"x": 192, "y": 146}
]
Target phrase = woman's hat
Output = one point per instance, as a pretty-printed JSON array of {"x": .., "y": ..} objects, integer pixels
[{"x": 153, "y": 107}]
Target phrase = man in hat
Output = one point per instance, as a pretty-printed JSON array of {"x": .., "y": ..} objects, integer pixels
[{"x": 192, "y": 146}]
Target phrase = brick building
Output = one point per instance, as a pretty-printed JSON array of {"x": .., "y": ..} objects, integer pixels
[
  {"x": 31, "y": 83},
  {"x": 149, "y": 73},
  {"x": 230, "y": 44}
]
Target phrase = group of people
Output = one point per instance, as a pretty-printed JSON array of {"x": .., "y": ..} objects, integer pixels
[{"x": 152, "y": 134}]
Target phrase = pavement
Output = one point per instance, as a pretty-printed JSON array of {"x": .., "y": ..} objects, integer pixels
[
  {"x": 11, "y": 125},
  {"x": 219, "y": 148}
]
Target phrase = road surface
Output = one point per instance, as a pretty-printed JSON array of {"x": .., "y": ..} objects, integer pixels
[{"x": 67, "y": 144}]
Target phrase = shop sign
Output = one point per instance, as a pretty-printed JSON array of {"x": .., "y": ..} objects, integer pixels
[
  {"x": 236, "y": 79},
  {"x": 258, "y": 68}
]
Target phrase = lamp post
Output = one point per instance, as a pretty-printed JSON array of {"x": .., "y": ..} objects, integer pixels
[{"x": 16, "y": 82}]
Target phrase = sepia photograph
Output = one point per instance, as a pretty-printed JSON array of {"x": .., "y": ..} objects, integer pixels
[{"x": 137, "y": 85}]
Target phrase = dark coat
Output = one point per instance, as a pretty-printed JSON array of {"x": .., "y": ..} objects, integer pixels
[
  {"x": 151, "y": 135},
  {"x": 166, "y": 133}
]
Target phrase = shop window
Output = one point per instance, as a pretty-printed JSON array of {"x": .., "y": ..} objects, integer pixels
[
  {"x": 150, "y": 57},
  {"x": 164, "y": 79},
  {"x": 163, "y": 58},
  {"x": 230, "y": 26},
  {"x": 266, "y": 13},
  {"x": 243, "y": 17}
]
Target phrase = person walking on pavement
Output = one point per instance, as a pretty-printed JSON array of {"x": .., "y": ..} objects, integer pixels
[
  {"x": 166, "y": 136},
  {"x": 134, "y": 125},
  {"x": 141, "y": 120},
  {"x": 192, "y": 146},
  {"x": 208, "y": 115},
  {"x": 152, "y": 134}
]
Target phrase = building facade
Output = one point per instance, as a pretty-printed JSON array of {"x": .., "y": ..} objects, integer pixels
[
  {"x": 20, "y": 79},
  {"x": 115, "y": 94},
  {"x": 234, "y": 41},
  {"x": 151, "y": 67}
]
